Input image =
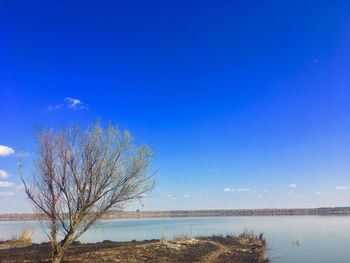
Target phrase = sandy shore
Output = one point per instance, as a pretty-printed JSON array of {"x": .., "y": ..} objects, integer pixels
[{"x": 206, "y": 249}]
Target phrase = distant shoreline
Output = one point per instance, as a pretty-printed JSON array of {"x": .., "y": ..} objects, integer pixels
[{"x": 322, "y": 211}]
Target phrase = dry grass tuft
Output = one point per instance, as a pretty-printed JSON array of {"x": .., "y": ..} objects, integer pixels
[
  {"x": 23, "y": 239},
  {"x": 250, "y": 235},
  {"x": 164, "y": 237},
  {"x": 179, "y": 238}
]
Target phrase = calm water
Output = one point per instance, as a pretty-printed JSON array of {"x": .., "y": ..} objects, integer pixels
[{"x": 291, "y": 239}]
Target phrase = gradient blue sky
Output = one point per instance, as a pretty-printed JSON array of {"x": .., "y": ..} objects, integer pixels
[{"x": 246, "y": 103}]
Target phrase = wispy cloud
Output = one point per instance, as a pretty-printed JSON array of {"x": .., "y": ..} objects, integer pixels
[
  {"x": 7, "y": 184},
  {"x": 171, "y": 197},
  {"x": 20, "y": 187},
  {"x": 69, "y": 103},
  {"x": 187, "y": 195},
  {"x": 293, "y": 196},
  {"x": 75, "y": 103},
  {"x": 6, "y": 194},
  {"x": 243, "y": 189},
  {"x": 227, "y": 189},
  {"x": 342, "y": 187},
  {"x": 5, "y": 150},
  {"x": 54, "y": 107},
  {"x": 3, "y": 174},
  {"x": 318, "y": 193},
  {"x": 22, "y": 154},
  {"x": 291, "y": 192}
]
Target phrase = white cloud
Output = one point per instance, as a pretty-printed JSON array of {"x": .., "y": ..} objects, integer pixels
[
  {"x": 292, "y": 185},
  {"x": 243, "y": 189},
  {"x": 229, "y": 189},
  {"x": 187, "y": 195},
  {"x": 341, "y": 188},
  {"x": 22, "y": 154},
  {"x": 54, "y": 107},
  {"x": 3, "y": 174},
  {"x": 318, "y": 193},
  {"x": 7, "y": 184},
  {"x": 74, "y": 103},
  {"x": 70, "y": 103},
  {"x": 4, "y": 194},
  {"x": 260, "y": 196},
  {"x": 171, "y": 197},
  {"x": 5, "y": 150}
]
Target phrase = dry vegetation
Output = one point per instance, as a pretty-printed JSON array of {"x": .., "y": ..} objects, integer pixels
[
  {"x": 23, "y": 239},
  {"x": 247, "y": 247}
]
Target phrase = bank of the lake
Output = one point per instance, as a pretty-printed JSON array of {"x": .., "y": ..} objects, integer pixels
[{"x": 246, "y": 248}]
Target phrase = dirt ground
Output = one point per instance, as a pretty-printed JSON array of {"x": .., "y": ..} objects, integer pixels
[{"x": 208, "y": 249}]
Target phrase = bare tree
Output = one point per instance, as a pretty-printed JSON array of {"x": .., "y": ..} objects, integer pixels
[{"x": 81, "y": 175}]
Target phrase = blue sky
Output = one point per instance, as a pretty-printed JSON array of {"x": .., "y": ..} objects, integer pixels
[{"x": 245, "y": 104}]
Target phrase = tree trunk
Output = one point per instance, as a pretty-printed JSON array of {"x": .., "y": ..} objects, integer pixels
[
  {"x": 61, "y": 249},
  {"x": 54, "y": 244},
  {"x": 57, "y": 257}
]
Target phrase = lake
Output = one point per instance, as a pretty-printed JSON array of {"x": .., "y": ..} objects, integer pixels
[{"x": 290, "y": 238}]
